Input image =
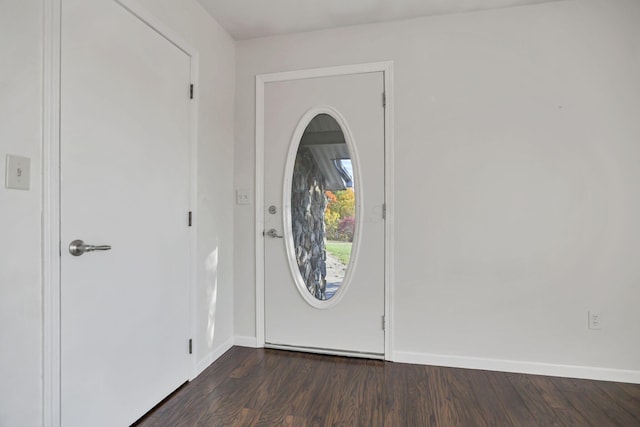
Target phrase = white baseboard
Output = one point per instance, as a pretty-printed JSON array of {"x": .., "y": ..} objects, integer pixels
[
  {"x": 500, "y": 365},
  {"x": 206, "y": 361},
  {"x": 245, "y": 341},
  {"x": 535, "y": 368}
]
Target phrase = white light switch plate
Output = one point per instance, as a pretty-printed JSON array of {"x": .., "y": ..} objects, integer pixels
[
  {"x": 243, "y": 197},
  {"x": 18, "y": 172}
]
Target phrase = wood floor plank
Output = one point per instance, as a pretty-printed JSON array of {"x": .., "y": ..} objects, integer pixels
[
  {"x": 314, "y": 399},
  {"x": 620, "y": 396},
  {"x": 418, "y": 386},
  {"x": 493, "y": 412},
  {"x": 464, "y": 399},
  {"x": 614, "y": 411},
  {"x": 510, "y": 400},
  {"x": 395, "y": 395},
  {"x": 276, "y": 394},
  {"x": 530, "y": 394},
  {"x": 258, "y": 387},
  {"x": 608, "y": 409},
  {"x": 358, "y": 399},
  {"x": 429, "y": 401},
  {"x": 551, "y": 396},
  {"x": 576, "y": 391}
]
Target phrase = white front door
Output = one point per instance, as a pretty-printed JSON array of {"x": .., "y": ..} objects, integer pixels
[
  {"x": 340, "y": 121},
  {"x": 125, "y": 315}
]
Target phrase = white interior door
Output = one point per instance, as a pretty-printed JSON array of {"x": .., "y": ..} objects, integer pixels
[
  {"x": 351, "y": 321},
  {"x": 125, "y": 183}
]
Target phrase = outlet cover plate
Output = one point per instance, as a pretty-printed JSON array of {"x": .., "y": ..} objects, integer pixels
[{"x": 595, "y": 320}]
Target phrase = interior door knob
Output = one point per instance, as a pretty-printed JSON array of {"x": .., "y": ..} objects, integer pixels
[
  {"x": 273, "y": 234},
  {"x": 78, "y": 247}
]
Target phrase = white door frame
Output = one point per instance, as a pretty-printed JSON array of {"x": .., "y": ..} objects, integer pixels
[
  {"x": 261, "y": 79},
  {"x": 51, "y": 245}
]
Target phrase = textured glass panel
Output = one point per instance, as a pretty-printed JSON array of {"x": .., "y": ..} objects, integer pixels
[{"x": 323, "y": 207}]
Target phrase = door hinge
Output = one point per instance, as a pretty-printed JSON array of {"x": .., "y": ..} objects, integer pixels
[
  {"x": 191, "y": 91},
  {"x": 384, "y": 100},
  {"x": 190, "y": 218},
  {"x": 384, "y": 211},
  {"x": 383, "y": 323},
  {"x": 190, "y": 346}
]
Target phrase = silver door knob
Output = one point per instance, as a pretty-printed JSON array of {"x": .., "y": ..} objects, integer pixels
[
  {"x": 273, "y": 234},
  {"x": 78, "y": 247}
]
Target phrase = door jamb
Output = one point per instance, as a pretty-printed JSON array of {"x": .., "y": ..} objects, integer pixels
[
  {"x": 51, "y": 242},
  {"x": 386, "y": 68}
]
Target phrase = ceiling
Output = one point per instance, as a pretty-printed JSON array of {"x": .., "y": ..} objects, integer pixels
[{"x": 245, "y": 19}]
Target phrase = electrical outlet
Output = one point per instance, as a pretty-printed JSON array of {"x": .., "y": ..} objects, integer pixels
[{"x": 595, "y": 320}]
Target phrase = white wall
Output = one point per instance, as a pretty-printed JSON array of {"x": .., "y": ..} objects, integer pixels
[
  {"x": 20, "y": 236},
  {"x": 516, "y": 189},
  {"x": 21, "y": 77}
]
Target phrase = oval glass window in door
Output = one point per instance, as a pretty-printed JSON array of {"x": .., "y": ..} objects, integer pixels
[{"x": 323, "y": 208}]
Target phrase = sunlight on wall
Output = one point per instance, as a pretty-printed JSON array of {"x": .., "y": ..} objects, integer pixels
[{"x": 211, "y": 266}]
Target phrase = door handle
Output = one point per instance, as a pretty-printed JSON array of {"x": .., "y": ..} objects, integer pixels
[
  {"x": 273, "y": 234},
  {"x": 78, "y": 247}
]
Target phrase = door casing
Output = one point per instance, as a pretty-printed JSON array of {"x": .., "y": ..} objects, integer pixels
[
  {"x": 261, "y": 79},
  {"x": 51, "y": 242}
]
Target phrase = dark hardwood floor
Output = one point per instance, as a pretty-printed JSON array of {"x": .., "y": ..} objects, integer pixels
[{"x": 256, "y": 387}]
